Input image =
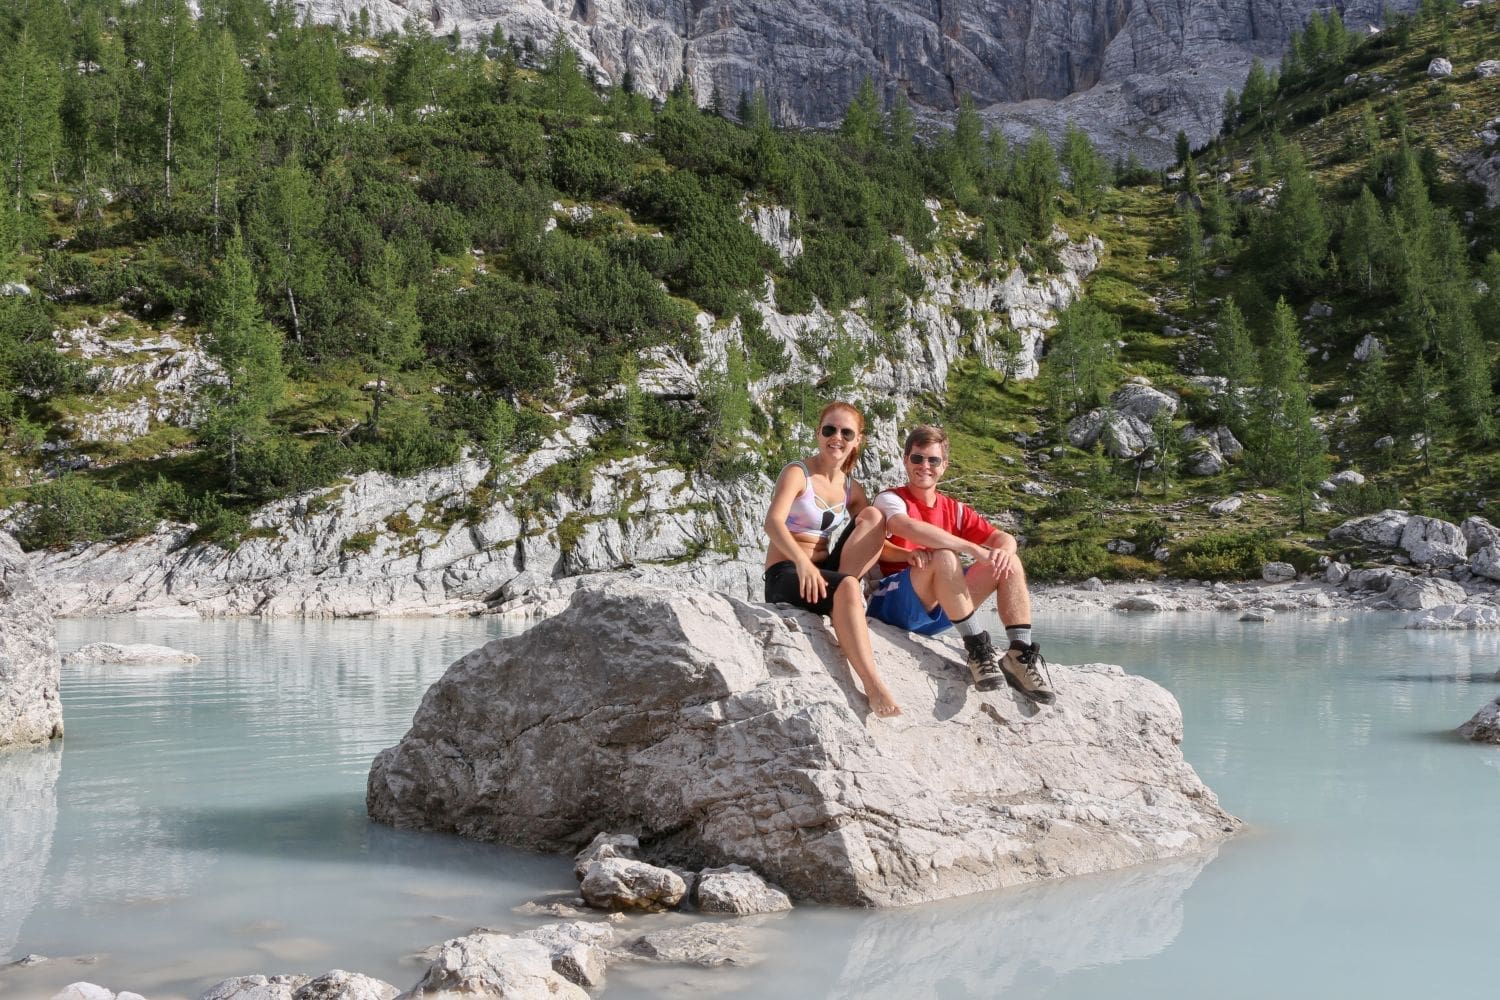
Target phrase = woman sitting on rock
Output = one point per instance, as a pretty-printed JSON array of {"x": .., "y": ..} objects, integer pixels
[{"x": 814, "y": 500}]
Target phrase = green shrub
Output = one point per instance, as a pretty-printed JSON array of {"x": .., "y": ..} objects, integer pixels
[
  {"x": 1224, "y": 556},
  {"x": 1075, "y": 560},
  {"x": 1370, "y": 497},
  {"x": 358, "y": 543},
  {"x": 73, "y": 509}
]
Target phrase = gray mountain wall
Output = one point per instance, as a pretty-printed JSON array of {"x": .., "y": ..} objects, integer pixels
[{"x": 1161, "y": 64}]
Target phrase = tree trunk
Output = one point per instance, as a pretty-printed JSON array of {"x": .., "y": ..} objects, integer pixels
[{"x": 291, "y": 301}]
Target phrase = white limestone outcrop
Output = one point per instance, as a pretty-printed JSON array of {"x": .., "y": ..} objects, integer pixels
[
  {"x": 725, "y": 732},
  {"x": 30, "y": 707},
  {"x": 130, "y": 654}
]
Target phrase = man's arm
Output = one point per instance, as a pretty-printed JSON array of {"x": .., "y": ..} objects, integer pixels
[{"x": 931, "y": 536}]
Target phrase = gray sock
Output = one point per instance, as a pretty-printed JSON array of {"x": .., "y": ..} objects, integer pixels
[
  {"x": 1019, "y": 633},
  {"x": 968, "y": 626}
]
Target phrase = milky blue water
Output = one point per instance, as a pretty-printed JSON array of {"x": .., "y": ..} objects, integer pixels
[{"x": 209, "y": 821}]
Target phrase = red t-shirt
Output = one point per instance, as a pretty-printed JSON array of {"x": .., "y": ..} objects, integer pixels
[{"x": 947, "y": 513}]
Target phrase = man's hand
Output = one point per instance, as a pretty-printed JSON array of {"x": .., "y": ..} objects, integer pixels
[
  {"x": 918, "y": 558},
  {"x": 1001, "y": 562}
]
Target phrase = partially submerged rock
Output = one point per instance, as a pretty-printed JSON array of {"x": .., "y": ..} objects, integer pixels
[
  {"x": 706, "y": 944},
  {"x": 30, "y": 708},
  {"x": 1458, "y": 617},
  {"x": 129, "y": 654},
  {"x": 487, "y": 964},
  {"x": 1485, "y": 726},
  {"x": 606, "y": 845},
  {"x": 256, "y": 988},
  {"x": 622, "y": 884},
  {"x": 722, "y": 731},
  {"x": 738, "y": 890}
]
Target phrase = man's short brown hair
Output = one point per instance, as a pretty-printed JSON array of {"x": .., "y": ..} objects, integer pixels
[{"x": 925, "y": 434}]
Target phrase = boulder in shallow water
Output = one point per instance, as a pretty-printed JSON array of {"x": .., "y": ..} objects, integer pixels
[
  {"x": 129, "y": 655},
  {"x": 486, "y": 964},
  {"x": 1421, "y": 592},
  {"x": 738, "y": 890},
  {"x": 622, "y": 884},
  {"x": 1485, "y": 726},
  {"x": 606, "y": 845},
  {"x": 578, "y": 950},
  {"x": 703, "y": 944},
  {"x": 256, "y": 988},
  {"x": 340, "y": 985},
  {"x": 30, "y": 708},
  {"x": 726, "y": 732},
  {"x": 1458, "y": 617}
]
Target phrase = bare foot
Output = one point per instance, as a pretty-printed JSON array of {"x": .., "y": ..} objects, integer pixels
[{"x": 882, "y": 703}]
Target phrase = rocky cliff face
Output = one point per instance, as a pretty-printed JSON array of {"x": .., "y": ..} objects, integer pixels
[
  {"x": 30, "y": 709},
  {"x": 719, "y": 731},
  {"x": 1148, "y": 66}
]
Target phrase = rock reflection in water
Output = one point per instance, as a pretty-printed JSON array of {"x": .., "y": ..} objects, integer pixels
[
  {"x": 977, "y": 946},
  {"x": 28, "y": 815}
]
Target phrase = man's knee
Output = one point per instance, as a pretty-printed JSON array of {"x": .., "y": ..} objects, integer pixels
[{"x": 945, "y": 562}]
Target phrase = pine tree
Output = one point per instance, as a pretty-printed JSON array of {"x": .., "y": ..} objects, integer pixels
[
  {"x": 1296, "y": 235},
  {"x": 281, "y": 231},
  {"x": 247, "y": 350},
  {"x": 1231, "y": 356},
  {"x": 171, "y": 93},
  {"x": 1285, "y": 447},
  {"x": 30, "y": 98},
  {"x": 1183, "y": 147},
  {"x": 387, "y": 322},
  {"x": 1258, "y": 93},
  {"x": 1036, "y": 183},
  {"x": 861, "y": 124},
  {"x": 1231, "y": 114},
  {"x": 1080, "y": 367},
  {"x": 1425, "y": 417},
  {"x": 1085, "y": 169},
  {"x": 231, "y": 120},
  {"x": 1363, "y": 248},
  {"x": 1191, "y": 260}
]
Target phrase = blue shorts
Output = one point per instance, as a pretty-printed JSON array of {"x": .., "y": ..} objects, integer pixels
[{"x": 896, "y": 603}]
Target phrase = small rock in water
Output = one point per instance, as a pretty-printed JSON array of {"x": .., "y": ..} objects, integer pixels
[
  {"x": 340, "y": 985},
  {"x": 736, "y": 889},
  {"x": 707, "y": 945},
  {"x": 141, "y": 652},
  {"x": 1485, "y": 726},
  {"x": 606, "y": 845},
  {"x": 1258, "y": 615},
  {"x": 26, "y": 961},
  {"x": 622, "y": 884},
  {"x": 255, "y": 988}
]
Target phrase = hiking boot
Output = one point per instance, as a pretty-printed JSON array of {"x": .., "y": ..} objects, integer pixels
[
  {"x": 984, "y": 664},
  {"x": 1023, "y": 667}
]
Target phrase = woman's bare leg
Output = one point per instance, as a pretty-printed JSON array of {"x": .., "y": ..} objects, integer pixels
[{"x": 854, "y": 639}]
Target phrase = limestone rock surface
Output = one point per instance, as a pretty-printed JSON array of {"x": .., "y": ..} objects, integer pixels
[
  {"x": 486, "y": 964},
  {"x": 725, "y": 732},
  {"x": 129, "y": 654},
  {"x": 703, "y": 944},
  {"x": 622, "y": 884},
  {"x": 256, "y": 988},
  {"x": 1382, "y": 530},
  {"x": 1485, "y": 726},
  {"x": 1457, "y": 617},
  {"x": 30, "y": 707},
  {"x": 1433, "y": 542},
  {"x": 1420, "y": 592},
  {"x": 738, "y": 890}
]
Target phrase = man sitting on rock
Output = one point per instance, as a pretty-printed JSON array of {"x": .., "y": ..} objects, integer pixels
[{"x": 924, "y": 586}]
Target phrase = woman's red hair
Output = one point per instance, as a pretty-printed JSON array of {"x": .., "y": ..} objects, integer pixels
[{"x": 859, "y": 425}]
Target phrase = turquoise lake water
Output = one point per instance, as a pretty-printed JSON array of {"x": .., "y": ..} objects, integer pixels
[{"x": 209, "y": 821}]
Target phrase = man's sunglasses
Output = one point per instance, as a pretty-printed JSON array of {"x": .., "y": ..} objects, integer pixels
[
  {"x": 847, "y": 433},
  {"x": 932, "y": 460}
]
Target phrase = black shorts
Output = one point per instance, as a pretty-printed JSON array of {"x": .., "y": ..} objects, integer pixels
[{"x": 781, "y": 586}]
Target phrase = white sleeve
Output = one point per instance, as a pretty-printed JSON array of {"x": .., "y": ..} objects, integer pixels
[{"x": 888, "y": 504}]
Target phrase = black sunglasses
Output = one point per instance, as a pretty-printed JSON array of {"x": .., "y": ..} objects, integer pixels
[
  {"x": 847, "y": 433},
  {"x": 932, "y": 460}
]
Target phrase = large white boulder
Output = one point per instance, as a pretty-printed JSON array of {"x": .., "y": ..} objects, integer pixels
[
  {"x": 721, "y": 731},
  {"x": 1418, "y": 593},
  {"x": 1143, "y": 402},
  {"x": 1479, "y": 533},
  {"x": 1431, "y": 542},
  {"x": 1458, "y": 617},
  {"x": 1382, "y": 530},
  {"x": 30, "y": 708},
  {"x": 1486, "y": 562},
  {"x": 486, "y": 964}
]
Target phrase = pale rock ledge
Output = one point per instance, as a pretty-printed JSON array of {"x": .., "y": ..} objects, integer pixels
[{"x": 724, "y": 732}]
